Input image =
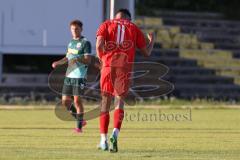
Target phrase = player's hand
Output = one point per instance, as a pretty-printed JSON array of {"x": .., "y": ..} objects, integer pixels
[
  {"x": 54, "y": 64},
  {"x": 151, "y": 37}
]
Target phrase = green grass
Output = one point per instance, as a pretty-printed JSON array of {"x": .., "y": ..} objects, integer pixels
[{"x": 206, "y": 134}]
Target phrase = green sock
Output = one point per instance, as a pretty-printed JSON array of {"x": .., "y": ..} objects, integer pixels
[{"x": 79, "y": 120}]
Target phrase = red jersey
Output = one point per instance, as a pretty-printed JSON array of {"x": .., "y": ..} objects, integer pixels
[{"x": 122, "y": 37}]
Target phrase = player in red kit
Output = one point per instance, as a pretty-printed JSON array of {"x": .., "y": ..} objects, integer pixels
[{"x": 116, "y": 45}]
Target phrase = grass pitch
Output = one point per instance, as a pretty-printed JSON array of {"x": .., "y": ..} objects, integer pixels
[{"x": 154, "y": 134}]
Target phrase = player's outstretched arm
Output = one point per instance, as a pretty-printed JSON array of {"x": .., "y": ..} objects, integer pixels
[
  {"x": 146, "y": 51},
  {"x": 59, "y": 62}
]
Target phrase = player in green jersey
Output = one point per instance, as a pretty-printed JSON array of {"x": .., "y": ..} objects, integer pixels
[{"x": 78, "y": 57}]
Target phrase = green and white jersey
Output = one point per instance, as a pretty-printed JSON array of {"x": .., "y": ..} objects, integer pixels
[{"x": 76, "y": 49}]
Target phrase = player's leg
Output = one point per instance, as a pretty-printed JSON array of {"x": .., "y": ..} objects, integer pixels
[
  {"x": 106, "y": 92},
  {"x": 121, "y": 86},
  {"x": 78, "y": 90},
  {"x": 104, "y": 120},
  {"x": 67, "y": 92},
  {"x": 79, "y": 113},
  {"x": 117, "y": 122},
  {"x": 67, "y": 103},
  {"x": 118, "y": 115}
]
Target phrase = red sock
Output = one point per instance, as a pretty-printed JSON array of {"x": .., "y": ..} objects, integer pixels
[
  {"x": 118, "y": 118},
  {"x": 104, "y": 122}
]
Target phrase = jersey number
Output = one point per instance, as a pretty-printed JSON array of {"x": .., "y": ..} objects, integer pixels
[{"x": 120, "y": 34}]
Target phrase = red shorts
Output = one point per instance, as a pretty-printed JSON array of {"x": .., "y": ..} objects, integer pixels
[{"x": 115, "y": 80}]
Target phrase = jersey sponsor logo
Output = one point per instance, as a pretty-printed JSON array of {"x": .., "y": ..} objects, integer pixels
[
  {"x": 79, "y": 45},
  {"x": 72, "y": 51},
  {"x": 82, "y": 86}
]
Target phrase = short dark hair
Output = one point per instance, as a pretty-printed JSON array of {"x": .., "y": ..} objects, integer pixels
[
  {"x": 77, "y": 23},
  {"x": 125, "y": 12}
]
